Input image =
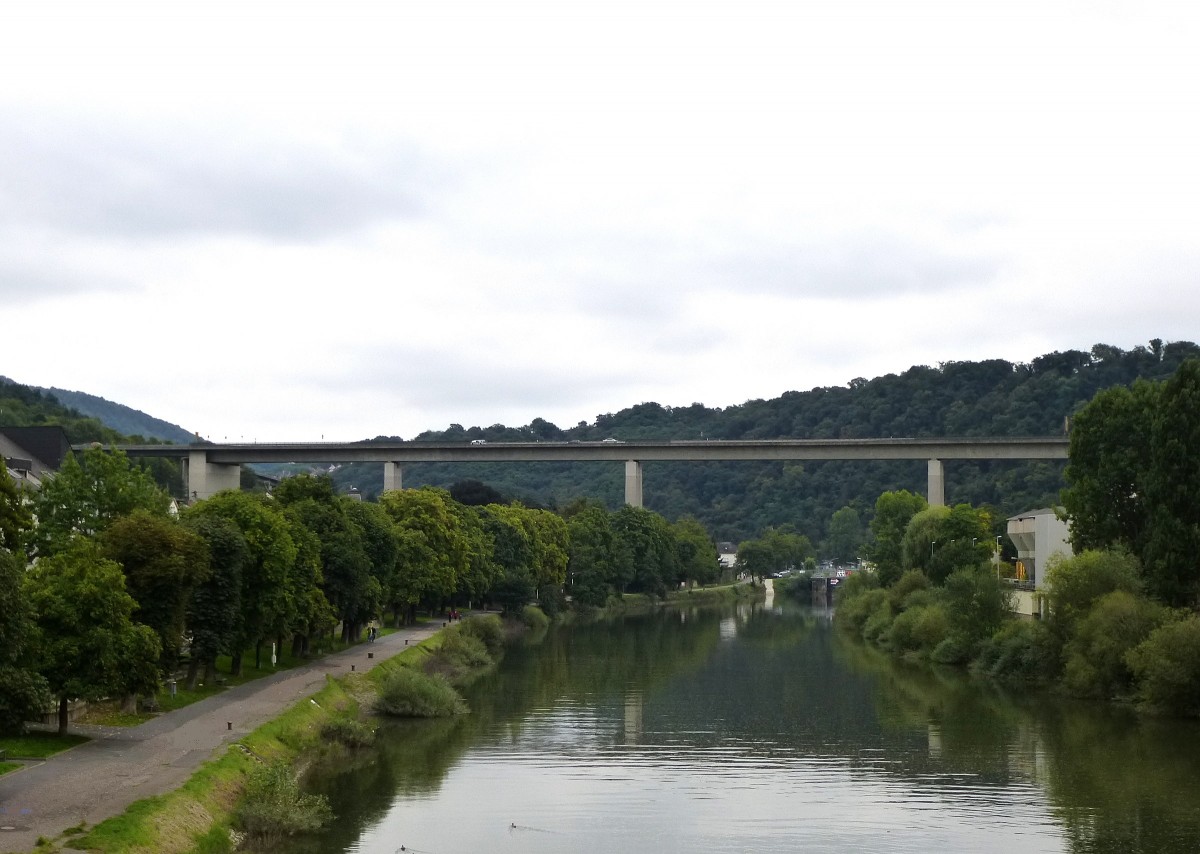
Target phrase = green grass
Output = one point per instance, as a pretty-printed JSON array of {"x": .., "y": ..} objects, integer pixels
[
  {"x": 5, "y": 767},
  {"x": 39, "y": 745}
]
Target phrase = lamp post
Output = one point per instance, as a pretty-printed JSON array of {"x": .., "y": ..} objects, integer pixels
[{"x": 932, "y": 543}]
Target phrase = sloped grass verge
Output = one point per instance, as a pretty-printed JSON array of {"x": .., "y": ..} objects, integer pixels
[{"x": 197, "y": 818}]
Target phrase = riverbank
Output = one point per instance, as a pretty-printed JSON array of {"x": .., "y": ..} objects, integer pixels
[
  {"x": 690, "y": 596},
  {"x": 161, "y": 780}
]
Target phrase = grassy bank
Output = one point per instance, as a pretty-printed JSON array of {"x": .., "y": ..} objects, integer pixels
[
  {"x": 197, "y": 817},
  {"x": 692, "y": 596}
]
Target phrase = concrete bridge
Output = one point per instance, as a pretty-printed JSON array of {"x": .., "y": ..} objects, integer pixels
[{"x": 210, "y": 468}]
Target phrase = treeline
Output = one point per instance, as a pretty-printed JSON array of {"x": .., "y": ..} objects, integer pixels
[
  {"x": 1123, "y": 613},
  {"x": 102, "y": 588},
  {"x": 738, "y": 501}
]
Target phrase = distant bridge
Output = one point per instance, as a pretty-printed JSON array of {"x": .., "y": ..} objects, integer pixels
[{"x": 210, "y": 468}]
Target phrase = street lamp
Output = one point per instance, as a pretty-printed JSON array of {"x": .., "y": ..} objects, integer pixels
[{"x": 932, "y": 543}]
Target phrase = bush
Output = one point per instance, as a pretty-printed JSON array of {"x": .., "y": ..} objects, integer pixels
[
  {"x": 910, "y": 582},
  {"x": 954, "y": 650},
  {"x": 406, "y": 692},
  {"x": 459, "y": 656},
  {"x": 978, "y": 604},
  {"x": 489, "y": 629},
  {"x": 1166, "y": 666},
  {"x": 1076, "y": 583},
  {"x": 1022, "y": 651},
  {"x": 273, "y": 808},
  {"x": 349, "y": 732},
  {"x": 918, "y": 629},
  {"x": 1095, "y": 657},
  {"x": 856, "y": 584},
  {"x": 854, "y": 611},
  {"x": 533, "y": 617},
  {"x": 551, "y": 600},
  {"x": 878, "y": 624}
]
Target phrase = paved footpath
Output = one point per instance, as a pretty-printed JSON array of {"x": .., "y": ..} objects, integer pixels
[{"x": 102, "y": 777}]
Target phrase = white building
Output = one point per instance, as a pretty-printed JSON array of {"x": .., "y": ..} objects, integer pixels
[{"x": 1038, "y": 535}]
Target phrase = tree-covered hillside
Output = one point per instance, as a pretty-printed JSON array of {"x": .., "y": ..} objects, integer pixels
[
  {"x": 24, "y": 406},
  {"x": 123, "y": 419},
  {"x": 739, "y": 500}
]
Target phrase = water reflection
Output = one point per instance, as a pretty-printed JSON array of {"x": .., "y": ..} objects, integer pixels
[{"x": 760, "y": 729}]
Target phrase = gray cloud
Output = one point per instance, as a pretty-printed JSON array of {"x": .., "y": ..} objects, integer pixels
[
  {"x": 455, "y": 380},
  {"x": 35, "y": 276},
  {"x": 859, "y": 265},
  {"x": 116, "y": 180}
]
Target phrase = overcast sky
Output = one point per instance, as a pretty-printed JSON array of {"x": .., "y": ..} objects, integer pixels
[{"x": 293, "y": 221}]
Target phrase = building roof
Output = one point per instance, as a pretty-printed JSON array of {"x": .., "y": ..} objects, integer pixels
[{"x": 47, "y": 444}]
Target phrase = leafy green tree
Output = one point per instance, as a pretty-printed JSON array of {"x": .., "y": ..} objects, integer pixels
[
  {"x": 592, "y": 570},
  {"x": 1110, "y": 458},
  {"x": 1166, "y": 667},
  {"x": 88, "y": 494},
  {"x": 1171, "y": 555},
  {"x": 1074, "y": 584},
  {"x": 696, "y": 554},
  {"x": 215, "y": 609},
  {"x": 266, "y": 598},
  {"x": 978, "y": 605},
  {"x": 893, "y": 511},
  {"x": 942, "y": 540},
  {"x": 88, "y": 646},
  {"x": 379, "y": 542},
  {"x": 162, "y": 562},
  {"x": 789, "y": 548},
  {"x": 481, "y": 570},
  {"x": 550, "y": 548},
  {"x": 648, "y": 539},
  {"x": 23, "y": 692},
  {"x": 15, "y": 518},
  {"x": 433, "y": 551},
  {"x": 345, "y": 567},
  {"x": 514, "y": 538},
  {"x": 921, "y": 537},
  {"x": 755, "y": 558},
  {"x": 311, "y": 614},
  {"x": 845, "y": 536},
  {"x": 1094, "y": 658}
]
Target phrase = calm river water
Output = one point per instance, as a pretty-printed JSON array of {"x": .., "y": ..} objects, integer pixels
[{"x": 760, "y": 729}]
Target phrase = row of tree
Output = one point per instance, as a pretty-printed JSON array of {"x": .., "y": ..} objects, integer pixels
[{"x": 103, "y": 589}]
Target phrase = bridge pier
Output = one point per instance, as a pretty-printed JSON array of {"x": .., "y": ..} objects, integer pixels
[
  {"x": 937, "y": 484},
  {"x": 392, "y": 476},
  {"x": 203, "y": 479},
  {"x": 633, "y": 483}
]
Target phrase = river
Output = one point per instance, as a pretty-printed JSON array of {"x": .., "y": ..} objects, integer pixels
[{"x": 759, "y": 729}]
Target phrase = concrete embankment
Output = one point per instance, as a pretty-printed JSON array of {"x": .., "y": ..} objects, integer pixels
[{"x": 102, "y": 778}]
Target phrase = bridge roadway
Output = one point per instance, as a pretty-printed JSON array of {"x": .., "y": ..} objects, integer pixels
[{"x": 210, "y": 467}]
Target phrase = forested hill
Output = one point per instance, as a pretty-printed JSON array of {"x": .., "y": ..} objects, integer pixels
[
  {"x": 123, "y": 419},
  {"x": 738, "y": 500},
  {"x": 25, "y": 406}
]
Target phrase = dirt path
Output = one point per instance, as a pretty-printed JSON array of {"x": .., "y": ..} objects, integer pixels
[{"x": 99, "y": 779}]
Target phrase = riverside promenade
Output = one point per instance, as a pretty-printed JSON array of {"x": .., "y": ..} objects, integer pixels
[{"x": 120, "y": 765}]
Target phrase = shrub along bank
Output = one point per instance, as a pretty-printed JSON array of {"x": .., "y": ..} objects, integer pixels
[
  {"x": 1103, "y": 639},
  {"x": 249, "y": 796}
]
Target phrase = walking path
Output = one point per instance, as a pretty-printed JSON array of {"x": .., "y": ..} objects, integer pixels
[{"x": 102, "y": 777}]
